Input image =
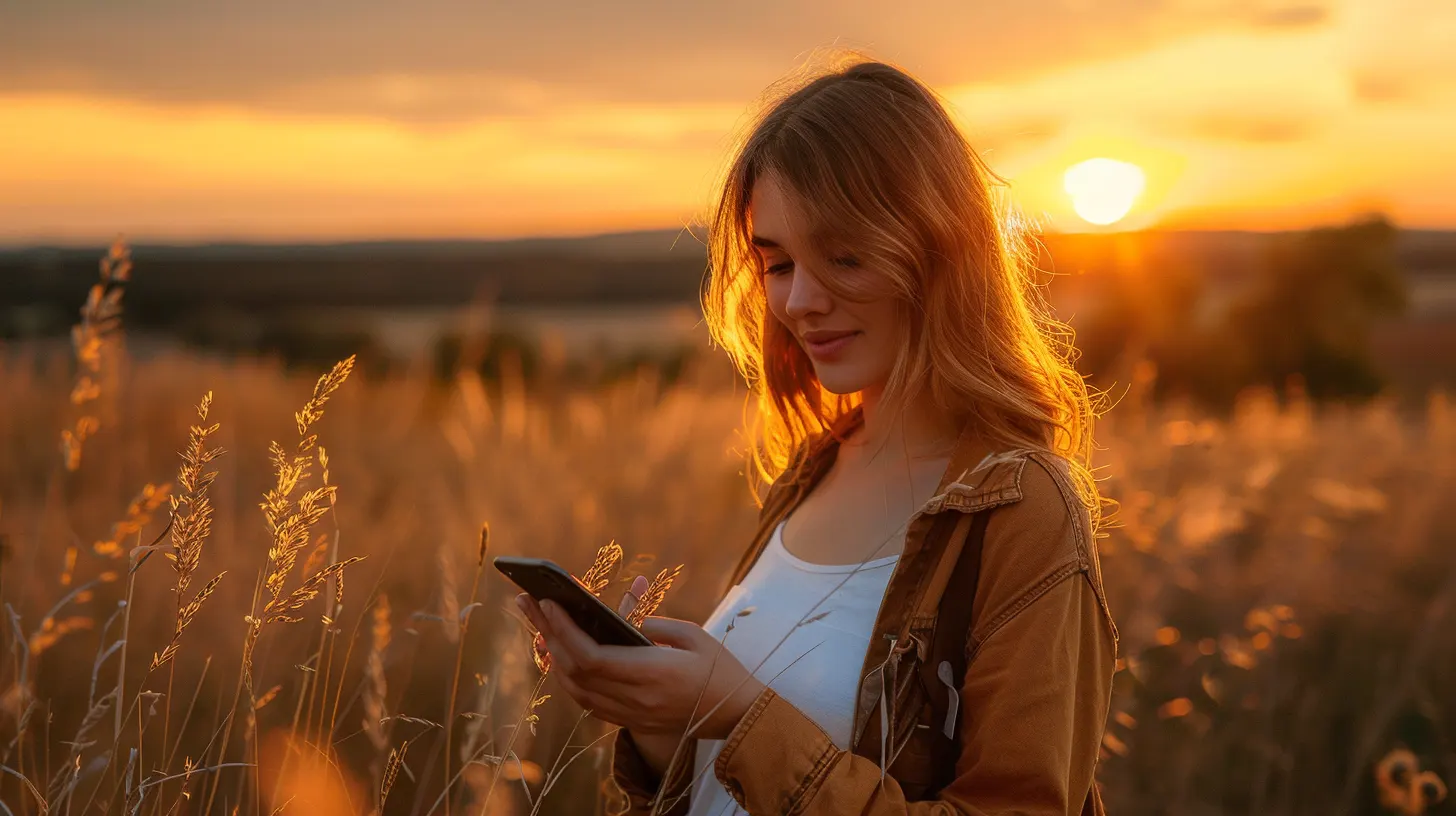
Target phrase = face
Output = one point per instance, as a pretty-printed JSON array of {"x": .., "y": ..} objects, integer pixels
[{"x": 851, "y": 343}]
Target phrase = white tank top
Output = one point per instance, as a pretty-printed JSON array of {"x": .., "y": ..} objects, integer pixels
[{"x": 830, "y": 651}]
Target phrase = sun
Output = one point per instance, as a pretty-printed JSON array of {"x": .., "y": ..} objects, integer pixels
[{"x": 1103, "y": 190}]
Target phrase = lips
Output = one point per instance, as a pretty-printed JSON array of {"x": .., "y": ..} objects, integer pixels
[{"x": 825, "y": 345}]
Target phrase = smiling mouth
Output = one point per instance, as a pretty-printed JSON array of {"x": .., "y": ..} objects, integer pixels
[{"x": 827, "y": 346}]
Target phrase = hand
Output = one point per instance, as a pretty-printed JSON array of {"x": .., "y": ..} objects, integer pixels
[{"x": 649, "y": 690}]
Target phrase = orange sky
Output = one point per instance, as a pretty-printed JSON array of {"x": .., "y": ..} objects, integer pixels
[{"x": 373, "y": 120}]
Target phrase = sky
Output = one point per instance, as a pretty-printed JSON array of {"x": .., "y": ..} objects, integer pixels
[{"x": 185, "y": 121}]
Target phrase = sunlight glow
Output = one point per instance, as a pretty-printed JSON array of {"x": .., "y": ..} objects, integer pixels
[{"x": 1103, "y": 190}]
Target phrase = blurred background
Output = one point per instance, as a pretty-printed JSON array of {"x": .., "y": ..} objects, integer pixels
[{"x": 1246, "y": 209}]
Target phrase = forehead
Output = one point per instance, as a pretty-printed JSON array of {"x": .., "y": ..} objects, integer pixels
[{"x": 777, "y": 219}]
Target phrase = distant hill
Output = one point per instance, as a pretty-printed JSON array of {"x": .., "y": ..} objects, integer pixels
[
  {"x": 45, "y": 285},
  {"x": 626, "y": 268}
]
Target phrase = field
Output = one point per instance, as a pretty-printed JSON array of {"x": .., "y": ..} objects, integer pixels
[{"x": 1283, "y": 577}]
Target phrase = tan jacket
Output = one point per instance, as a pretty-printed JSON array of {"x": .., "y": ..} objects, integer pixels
[{"x": 1041, "y": 654}]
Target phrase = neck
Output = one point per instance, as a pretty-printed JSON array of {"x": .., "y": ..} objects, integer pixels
[{"x": 919, "y": 429}]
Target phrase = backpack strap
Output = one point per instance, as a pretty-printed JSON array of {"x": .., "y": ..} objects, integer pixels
[{"x": 952, "y": 630}]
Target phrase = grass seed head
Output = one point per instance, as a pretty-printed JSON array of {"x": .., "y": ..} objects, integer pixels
[
  {"x": 652, "y": 598},
  {"x": 603, "y": 569},
  {"x": 391, "y": 771}
]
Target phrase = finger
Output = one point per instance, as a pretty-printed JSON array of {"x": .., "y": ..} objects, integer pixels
[
  {"x": 583, "y": 696},
  {"x": 630, "y": 598},
  {"x": 611, "y": 702},
  {"x": 532, "y": 611},
  {"x": 584, "y": 652},
  {"x": 577, "y": 647},
  {"x": 603, "y": 706},
  {"x": 562, "y": 660},
  {"x": 679, "y": 634}
]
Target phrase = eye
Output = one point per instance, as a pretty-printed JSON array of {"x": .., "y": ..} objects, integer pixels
[{"x": 780, "y": 268}]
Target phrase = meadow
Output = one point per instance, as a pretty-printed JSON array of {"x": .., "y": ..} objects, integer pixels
[{"x": 1282, "y": 575}]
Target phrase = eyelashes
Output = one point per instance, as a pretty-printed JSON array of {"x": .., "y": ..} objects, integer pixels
[{"x": 848, "y": 261}]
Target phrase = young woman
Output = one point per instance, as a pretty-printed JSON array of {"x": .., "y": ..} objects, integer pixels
[{"x": 919, "y": 422}]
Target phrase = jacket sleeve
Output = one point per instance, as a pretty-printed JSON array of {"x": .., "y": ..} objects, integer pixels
[
  {"x": 1034, "y": 702},
  {"x": 636, "y": 783}
]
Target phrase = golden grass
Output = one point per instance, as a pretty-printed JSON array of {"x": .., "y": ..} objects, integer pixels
[{"x": 1282, "y": 577}]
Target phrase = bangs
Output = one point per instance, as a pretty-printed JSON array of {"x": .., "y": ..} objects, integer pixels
[{"x": 837, "y": 220}]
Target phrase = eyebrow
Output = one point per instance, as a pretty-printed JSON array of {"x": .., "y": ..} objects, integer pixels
[{"x": 817, "y": 237}]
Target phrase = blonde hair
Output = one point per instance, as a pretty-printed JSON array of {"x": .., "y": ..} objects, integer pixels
[{"x": 871, "y": 159}]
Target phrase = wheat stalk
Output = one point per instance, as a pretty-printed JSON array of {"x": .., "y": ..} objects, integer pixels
[
  {"x": 391, "y": 771},
  {"x": 91, "y": 339},
  {"x": 652, "y": 598},
  {"x": 138, "y": 515},
  {"x": 191, "y": 525},
  {"x": 603, "y": 569},
  {"x": 289, "y": 523},
  {"x": 279, "y": 612},
  {"x": 376, "y": 688},
  {"x": 460, "y": 619}
]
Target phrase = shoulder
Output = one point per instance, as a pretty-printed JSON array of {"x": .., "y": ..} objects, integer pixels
[
  {"x": 1037, "y": 536},
  {"x": 1030, "y": 491},
  {"x": 1044, "y": 501}
]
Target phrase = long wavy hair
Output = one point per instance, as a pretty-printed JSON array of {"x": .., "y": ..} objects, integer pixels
[{"x": 871, "y": 160}]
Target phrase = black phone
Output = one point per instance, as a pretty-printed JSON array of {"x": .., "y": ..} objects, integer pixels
[{"x": 544, "y": 580}]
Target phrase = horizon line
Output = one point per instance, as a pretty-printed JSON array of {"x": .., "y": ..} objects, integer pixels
[{"x": 60, "y": 243}]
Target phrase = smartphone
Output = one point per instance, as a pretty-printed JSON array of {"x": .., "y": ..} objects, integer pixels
[{"x": 545, "y": 580}]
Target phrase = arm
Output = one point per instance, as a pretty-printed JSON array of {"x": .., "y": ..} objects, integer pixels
[
  {"x": 637, "y": 770},
  {"x": 1036, "y": 696},
  {"x": 638, "y": 761},
  {"x": 687, "y": 678}
]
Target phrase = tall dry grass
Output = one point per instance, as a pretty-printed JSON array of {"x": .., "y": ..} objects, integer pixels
[{"x": 1283, "y": 577}]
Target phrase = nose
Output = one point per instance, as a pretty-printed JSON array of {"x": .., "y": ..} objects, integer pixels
[{"x": 807, "y": 295}]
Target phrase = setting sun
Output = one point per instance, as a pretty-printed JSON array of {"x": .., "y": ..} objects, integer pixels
[{"x": 1103, "y": 190}]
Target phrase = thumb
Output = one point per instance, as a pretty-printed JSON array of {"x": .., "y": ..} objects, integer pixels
[
  {"x": 631, "y": 596},
  {"x": 679, "y": 634}
]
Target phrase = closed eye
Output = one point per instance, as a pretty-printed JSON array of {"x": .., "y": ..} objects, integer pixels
[{"x": 781, "y": 268}]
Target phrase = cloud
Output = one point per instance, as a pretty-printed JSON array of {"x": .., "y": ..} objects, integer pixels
[
  {"x": 1294, "y": 16},
  {"x": 434, "y": 61},
  {"x": 1251, "y": 128},
  {"x": 1374, "y": 87},
  {"x": 1400, "y": 51}
]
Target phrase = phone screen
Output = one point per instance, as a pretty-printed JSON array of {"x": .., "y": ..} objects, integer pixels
[{"x": 545, "y": 580}]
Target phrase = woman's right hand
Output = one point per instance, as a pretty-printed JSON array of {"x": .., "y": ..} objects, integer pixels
[{"x": 656, "y": 749}]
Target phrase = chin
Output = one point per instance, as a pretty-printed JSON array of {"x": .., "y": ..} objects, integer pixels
[{"x": 837, "y": 380}]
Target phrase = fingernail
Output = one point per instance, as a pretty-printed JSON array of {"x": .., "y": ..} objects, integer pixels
[
  {"x": 521, "y": 602},
  {"x": 549, "y": 608}
]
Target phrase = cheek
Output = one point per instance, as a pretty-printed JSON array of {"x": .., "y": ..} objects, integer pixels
[
  {"x": 776, "y": 290},
  {"x": 881, "y": 319}
]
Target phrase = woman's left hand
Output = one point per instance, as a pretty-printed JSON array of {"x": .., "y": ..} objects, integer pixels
[{"x": 648, "y": 689}]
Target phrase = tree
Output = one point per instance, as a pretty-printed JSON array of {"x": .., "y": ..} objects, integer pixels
[{"x": 1312, "y": 310}]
